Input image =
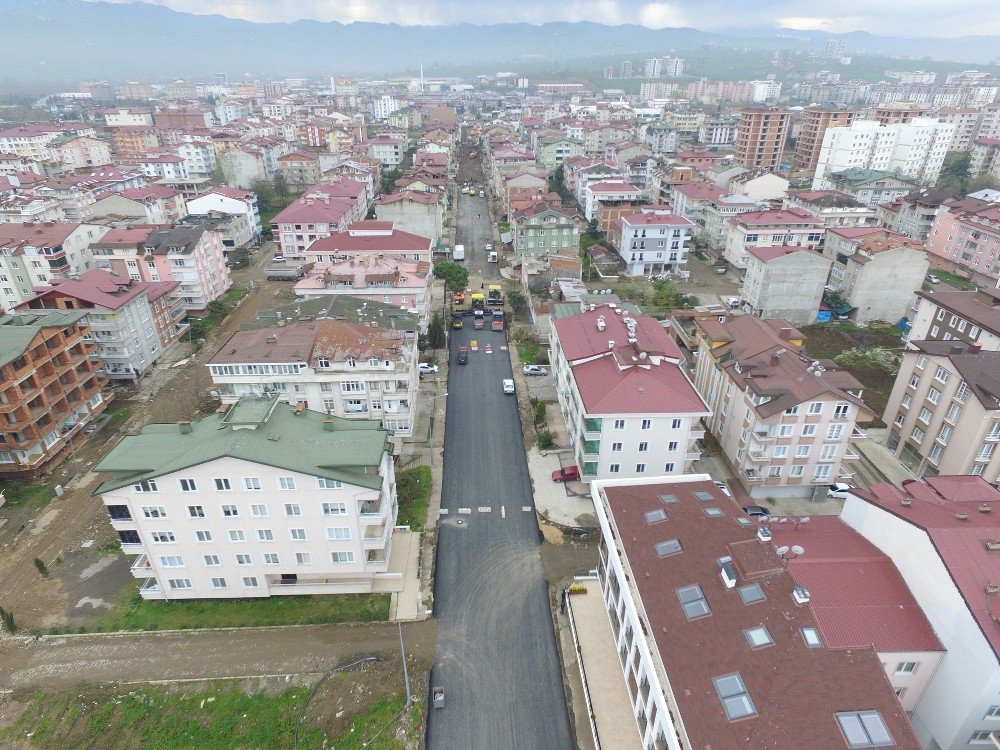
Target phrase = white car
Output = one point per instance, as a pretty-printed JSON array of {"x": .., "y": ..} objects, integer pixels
[
  {"x": 533, "y": 370},
  {"x": 840, "y": 491},
  {"x": 932, "y": 278},
  {"x": 426, "y": 368},
  {"x": 508, "y": 386}
]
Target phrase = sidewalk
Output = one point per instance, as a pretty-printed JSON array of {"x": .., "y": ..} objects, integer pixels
[
  {"x": 552, "y": 500},
  {"x": 881, "y": 459}
]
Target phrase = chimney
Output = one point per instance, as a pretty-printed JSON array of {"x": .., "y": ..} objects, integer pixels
[
  {"x": 956, "y": 350},
  {"x": 185, "y": 427},
  {"x": 600, "y": 323},
  {"x": 611, "y": 344},
  {"x": 975, "y": 347},
  {"x": 785, "y": 334},
  {"x": 800, "y": 594}
]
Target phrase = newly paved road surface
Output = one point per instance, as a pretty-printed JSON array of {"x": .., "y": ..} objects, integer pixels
[{"x": 496, "y": 651}]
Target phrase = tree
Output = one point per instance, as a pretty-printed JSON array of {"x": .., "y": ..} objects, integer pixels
[
  {"x": 982, "y": 182},
  {"x": 388, "y": 181},
  {"x": 456, "y": 278},
  {"x": 593, "y": 229},
  {"x": 518, "y": 302},
  {"x": 267, "y": 198},
  {"x": 955, "y": 175},
  {"x": 435, "y": 332},
  {"x": 665, "y": 293},
  {"x": 280, "y": 185}
]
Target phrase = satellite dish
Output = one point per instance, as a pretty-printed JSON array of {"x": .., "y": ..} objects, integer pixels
[
  {"x": 804, "y": 520},
  {"x": 782, "y": 550},
  {"x": 797, "y": 550}
]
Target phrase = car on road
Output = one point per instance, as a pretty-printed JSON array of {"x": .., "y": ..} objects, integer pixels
[
  {"x": 533, "y": 370},
  {"x": 566, "y": 474},
  {"x": 426, "y": 368},
  {"x": 931, "y": 278},
  {"x": 489, "y": 246},
  {"x": 508, "y": 385},
  {"x": 482, "y": 194},
  {"x": 463, "y": 355},
  {"x": 840, "y": 490},
  {"x": 756, "y": 511}
]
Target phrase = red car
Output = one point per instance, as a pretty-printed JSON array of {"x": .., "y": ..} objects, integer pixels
[{"x": 566, "y": 474}]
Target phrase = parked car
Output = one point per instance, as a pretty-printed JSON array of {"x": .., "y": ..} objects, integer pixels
[
  {"x": 508, "y": 385},
  {"x": 757, "y": 511},
  {"x": 533, "y": 370},
  {"x": 566, "y": 474},
  {"x": 489, "y": 246},
  {"x": 931, "y": 278},
  {"x": 456, "y": 323},
  {"x": 463, "y": 355},
  {"x": 840, "y": 490},
  {"x": 426, "y": 368}
]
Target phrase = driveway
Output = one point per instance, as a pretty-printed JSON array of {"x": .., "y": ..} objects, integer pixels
[{"x": 496, "y": 650}]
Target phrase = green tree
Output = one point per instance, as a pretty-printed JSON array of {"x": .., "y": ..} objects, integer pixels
[
  {"x": 456, "y": 277},
  {"x": 435, "y": 332},
  {"x": 982, "y": 182},
  {"x": 387, "y": 183},
  {"x": 955, "y": 175},
  {"x": 593, "y": 230},
  {"x": 665, "y": 293},
  {"x": 280, "y": 185},
  {"x": 518, "y": 302},
  {"x": 267, "y": 197}
]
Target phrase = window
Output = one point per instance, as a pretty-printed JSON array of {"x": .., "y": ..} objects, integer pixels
[
  {"x": 337, "y": 533},
  {"x": 640, "y": 468},
  {"x": 646, "y": 424},
  {"x": 163, "y": 537},
  {"x": 146, "y": 485},
  {"x": 218, "y": 583},
  {"x": 668, "y": 499},
  {"x": 780, "y": 451},
  {"x": 933, "y": 395},
  {"x": 334, "y": 509},
  {"x": 250, "y": 582},
  {"x": 188, "y": 485},
  {"x": 841, "y": 410},
  {"x": 243, "y": 560},
  {"x": 816, "y": 407},
  {"x": 196, "y": 511},
  {"x": 752, "y": 593},
  {"x": 230, "y": 511},
  {"x": 643, "y": 447},
  {"x": 811, "y": 637},
  {"x": 328, "y": 484},
  {"x": 297, "y": 535},
  {"x": 203, "y": 536},
  {"x": 735, "y": 699},
  {"x": 303, "y": 558},
  {"x": 714, "y": 512},
  {"x": 906, "y": 401},
  {"x": 834, "y": 432},
  {"x": 614, "y": 468},
  {"x": 758, "y": 637},
  {"x": 914, "y": 381},
  {"x": 672, "y": 445},
  {"x": 808, "y": 430},
  {"x": 153, "y": 511},
  {"x": 171, "y": 561},
  {"x": 962, "y": 393},
  {"x": 822, "y": 472},
  {"x": 237, "y": 535},
  {"x": 251, "y": 483},
  {"x": 925, "y": 416},
  {"x": 802, "y": 451},
  {"x": 786, "y": 430},
  {"x": 676, "y": 424},
  {"x": 293, "y": 509},
  {"x": 341, "y": 557},
  {"x": 179, "y": 583},
  {"x": 774, "y": 471},
  {"x": 668, "y": 467},
  {"x": 796, "y": 471},
  {"x": 258, "y": 510},
  {"x": 979, "y": 737},
  {"x": 270, "y": 558},
  {"x": 917, "y": 436},
  {"x": 693, "y": 602},
  {"x": 829, "y": 452},
  {"x": 286, "y": 483},
  {"x": 993, "y": 712},
  {"x": 941, "y": 375},
  {"x": 265, "y": 535},
  {"x": 619, "y": 424},
  {"x": 222, "y": 484},
  {"x": 864, "y": 729},
  {"x": 616, "y": 447},
  {"x": 212, "y": 561},
  {"x": 792, "y": 411},
  {"x": 906, "y": 667}
]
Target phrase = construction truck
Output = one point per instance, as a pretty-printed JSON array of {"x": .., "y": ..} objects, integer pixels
[
  {"x": 479, "y": 322},
  {"x": 478, "y": 301},
  {"x": 497, "y": 321},
  {"x": 494, "y": 295}
]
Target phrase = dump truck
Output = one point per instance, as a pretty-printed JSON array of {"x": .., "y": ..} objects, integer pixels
[
  {"x": 287, "y": 271},
  {"x": 494, "y": 295},
  {"x": 478, "y": 301}
]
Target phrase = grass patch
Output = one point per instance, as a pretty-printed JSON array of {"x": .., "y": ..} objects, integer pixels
[
  {"x": 121, "y": 413},
  {"x": 376, "y": 730},
  {"x": 956, "y": 281},
  {"x": 18, "y": 492},
  {"x": 413, "y": 489},
  {"x": 532, "y": 353},
  {"x": 154, "y": 719},
  {"x": 136, "y": 613}
]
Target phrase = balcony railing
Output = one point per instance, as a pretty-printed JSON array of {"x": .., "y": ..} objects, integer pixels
[
  {"x": 591, "y": 425},
  {"x": 151, "y": 590},
  {"x": 857, "y": 434},
  {"x": 142, "y": 568},
  {"x": 592, "y": 447}
]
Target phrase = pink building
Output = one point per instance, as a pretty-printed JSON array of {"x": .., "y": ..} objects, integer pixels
[
  {"x": 370, "y": 238},
  {"x": 967, "y": 243},
  {"x": 324, "y": 208},
  {"x": 190, "y": 255}
]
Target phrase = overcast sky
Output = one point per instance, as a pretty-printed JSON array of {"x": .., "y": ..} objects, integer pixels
[{"x": 893, "y": 17}]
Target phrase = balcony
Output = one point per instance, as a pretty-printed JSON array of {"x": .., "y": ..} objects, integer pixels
[
  {"x": 592, "y": 447},
  {"x": 692, "y": 456},
  {"x": 851, "y": 455},
  {"x": 756, "y": 456},
  {"x": 373, "y": 536},
  {"x": 856, "y": 434},
  {"x": 753, "y": 476},
  {"x": 151, "y": 590},
  {"x": 132, "y": 548},
  {"x": 591, "y": 425},
  {"x": 142, "y": 568},
  {"x": 763, "y": 435},
  {"x": 697, "y": 434}
]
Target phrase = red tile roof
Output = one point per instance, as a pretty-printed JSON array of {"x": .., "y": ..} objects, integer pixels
[
  {"x": 612, "y": 187},
  {"x": 650, "y": 218},
  {"x": 858, "y": 595},
  {"x": 781, "y": 217},
  {"x": 766, "y": 254},
  {"x": 99, "y": 287},
  {"x": 961, "y": 543},
  {"x": 346, "y": 242},
  {"x": 700, "y": 191}
]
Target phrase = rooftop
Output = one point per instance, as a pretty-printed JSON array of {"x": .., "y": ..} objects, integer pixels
[
  {"x": 18, "y": 330},
  {"x": 344, "y": 308},
  {"x": 97, "y": 287},
  {"x": 777, "y": 217},
  {"x": 980, "y": 308},
  {"x": 979, "y": 369},
  {"x": 260, "y": 431},
  {"x": 360, "y": 240}
]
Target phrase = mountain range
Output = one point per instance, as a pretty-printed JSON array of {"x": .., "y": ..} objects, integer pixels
[{"x": 71, "y": 40}]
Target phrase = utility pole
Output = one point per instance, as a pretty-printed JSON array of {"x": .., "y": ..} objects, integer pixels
[{"x": 406, "y": 672}]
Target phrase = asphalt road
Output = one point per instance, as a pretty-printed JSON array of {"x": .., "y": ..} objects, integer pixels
[
  {"x": 496, "y": 650},
  {"x": 474, "y": 229}
]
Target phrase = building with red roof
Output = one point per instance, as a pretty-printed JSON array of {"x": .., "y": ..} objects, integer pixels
[
  {"x": 784, "y": 281},
  {"x": 652, "y": 241},
  {"x": 629, "y": 407},
  {"x": 943, "y": 534},
  {"x": 719, "y": 646},
  {"x": 327, "y": 207},
  {"x": 368, "y": 238},
  {"x": 789, "y": 226}
]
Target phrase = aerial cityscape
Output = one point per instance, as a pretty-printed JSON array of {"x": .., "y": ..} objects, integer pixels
[{"x": 600, "y": 375}]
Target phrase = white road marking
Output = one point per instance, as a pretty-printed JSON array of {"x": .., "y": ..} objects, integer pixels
[
  {"x": 464, "y": 511},
  {"x": 485, "y": 509}
]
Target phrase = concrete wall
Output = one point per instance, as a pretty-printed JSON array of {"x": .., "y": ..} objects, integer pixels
[
  {"x": 789, "y": 287},
  {"x": 884, "y": 287}
]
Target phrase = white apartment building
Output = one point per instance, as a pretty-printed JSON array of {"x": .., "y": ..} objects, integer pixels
[
  {"x": 384, "y": 106},
  {"x": 350, "y": 370},
  {"x": 940, "y": 532},
  {"x": 128, "y": 118},
  {"x": 914, "y": 149},
  {"x": 784, "y": 422},
  {"x": 770, "y": 228},
  {"x": 229, "y": 200},
  {"x": 191, "y": 255},
  {"x": 630, "y": 409},
  {"x": 264, "y": 500},
  {"x": 652, "y": 241},
  {"x": 198, "y": 156},
  {"x": 32, "y": 139}
]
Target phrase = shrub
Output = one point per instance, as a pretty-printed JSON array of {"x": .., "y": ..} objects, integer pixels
[
  {"x": 41, "y": 567},
  {"x": 539, "y": 413},
  {"x": 7, "y": 620},
  {"x": 545, "y": 441}
]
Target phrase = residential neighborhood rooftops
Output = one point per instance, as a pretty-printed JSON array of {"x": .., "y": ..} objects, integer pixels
[
  {"x": 355, "y": 241},
  {"x": 35, "y": 234},
  {"x": 825, "y": 198},
  {"x": 99, "y": 288},
  {"x": 308, "y": 442},
  {"x": 777, "y": 217},
  {"x": 341, "y": 307},
  {"x": 767, "y": 254},
  {"x": 648, "y": 218}
]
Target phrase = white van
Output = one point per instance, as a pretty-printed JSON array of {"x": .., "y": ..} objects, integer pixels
[
  {"x": 492, "y": 257},
  {"x": 459, "y": 253}
]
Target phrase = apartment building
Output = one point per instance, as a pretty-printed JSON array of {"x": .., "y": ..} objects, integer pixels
[
  {"x": 608, "y": 192},
  {"x": 263, "y": 500},
  {"x": 967, "y": 317},
  {"x": 760, "y": 137},
  {"x": 32, "y": 139},
  {"x": 231, "y": 201},
  {"x": 816, "y": 120},
  {"x": 347, "y": 369},
  {"x": 939, "y": 533},
  {"x": 299, "y": 168},
  {"x": 871, "y": 187},
  {"x": 385, "y": 150},
  {"x": 984, "y": 157},
  {"x": 152, "y": 204},
  {"x": 965, "y": 120},
  {"x": 79, "y": 152},
  {"x": 414, "y": 212},
  {"x": 784, "y": 422},
  {"x": 915, "y": 149},
  {"x": 784, "y": 281},
  {"x": 191, "y": 255},
  {"x": 368, "y": 238},
  {"x": 629, "y": 407},
  {"x": 793, "y": 227},
  {"x": 553, "y": 150},
  {"x": 50, "y": 388},
  {"x": 944, "y": 410},
  {"x": 877, "y": 272},
  {"x": 652, "y": 241},
  {"x": 836, "y": 209},
  {"x": 315, "y": 215},
  {"x": 719, "y": 646},
  {"x": 966, "y": 242},
  {"x": 544, "y": 230},
  {"x": 130, "y": 334},
  {"x": 33, "y": 254}
]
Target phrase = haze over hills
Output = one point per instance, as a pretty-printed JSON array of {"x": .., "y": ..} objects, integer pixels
[{"x": 71, "y": 40}]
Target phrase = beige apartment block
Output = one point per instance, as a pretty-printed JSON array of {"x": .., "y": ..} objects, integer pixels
[
  {"x": 944, "y": 410},
  {"x": 784, "y": 422}
]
